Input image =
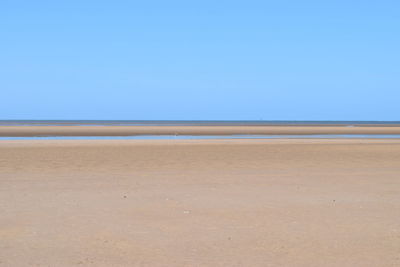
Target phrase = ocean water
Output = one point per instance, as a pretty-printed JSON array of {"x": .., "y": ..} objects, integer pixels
[
  {"x": 189, "y": 123},
  {"x": 204, "y": 137}
]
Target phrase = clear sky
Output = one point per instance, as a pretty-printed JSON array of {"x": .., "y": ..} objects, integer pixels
[{"x": 206, "y": 59}]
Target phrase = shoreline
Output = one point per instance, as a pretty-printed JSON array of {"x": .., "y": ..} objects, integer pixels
[{"x": 37, "y": 131}]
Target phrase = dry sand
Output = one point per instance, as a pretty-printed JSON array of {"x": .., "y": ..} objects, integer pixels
[
  {"x": 193, "y": 130},
  {"x": 200, "y": 203}
]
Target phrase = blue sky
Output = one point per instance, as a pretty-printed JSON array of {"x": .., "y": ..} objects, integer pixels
[{"x": 193, "y": 60}]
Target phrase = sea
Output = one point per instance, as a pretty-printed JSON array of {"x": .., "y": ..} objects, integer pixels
[{"x": 191, "y": 122}]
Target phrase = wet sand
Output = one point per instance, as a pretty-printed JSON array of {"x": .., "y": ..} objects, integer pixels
[
  {"x": 200, "y": 202},
  {"x": 52, "y": 130}
]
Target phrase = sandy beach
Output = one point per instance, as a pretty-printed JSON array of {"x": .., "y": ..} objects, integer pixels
[
  {"x": 55, "y": 130},
  {"x": 200, "y": 202}
]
